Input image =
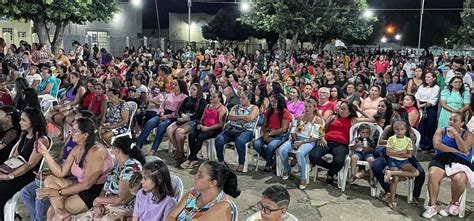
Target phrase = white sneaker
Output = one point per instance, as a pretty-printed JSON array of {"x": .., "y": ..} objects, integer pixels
[
  {"x": 430, "y": 212},
  {"x": 285, "y": 176},
  {"x": 452, "y": 209}
]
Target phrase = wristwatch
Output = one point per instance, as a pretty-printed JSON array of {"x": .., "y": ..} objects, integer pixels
[{"x": 11, "y": 176}]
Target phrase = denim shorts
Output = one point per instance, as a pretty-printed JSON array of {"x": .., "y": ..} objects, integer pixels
[
  {"x": 193, "y": 124},
  {"x": 396, "y": 163},
  {"x": 364, "y": 155}
]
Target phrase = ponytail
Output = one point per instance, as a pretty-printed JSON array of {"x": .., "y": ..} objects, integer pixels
[{"x": 226, "y": 179}]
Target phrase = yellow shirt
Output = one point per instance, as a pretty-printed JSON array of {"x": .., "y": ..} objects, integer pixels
[{"x": 399, "y": 144}]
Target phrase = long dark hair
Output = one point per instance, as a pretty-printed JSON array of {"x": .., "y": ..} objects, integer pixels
[
  {"x": 86, "y": 125},
  {"x": 21, "y": 84},
  {"x": 434, "y": 82},
  {"x": 125, "y": 145},
  {"x": 224, "y": 176},
  {"x": 277, "y": 89},
  {"x": 158, "y": 172},
  {"x": 450, "y": 86},
  {"x": 182, "y": 86},
  {"x": 78, "y": 85},
  {"x": 14, "y": 115},
  {"x": 352, "y": 110},
  {"x": 30, "y": 100},
  {"x": 389, "y": 112},
  {"x": 281, "y": 106},
  {"x": 262, "y": 96},
  {"x": 37, "y": 121}
]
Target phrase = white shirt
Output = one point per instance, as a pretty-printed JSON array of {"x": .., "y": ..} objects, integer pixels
[
  {"x": 428, "y": 94},
  {"x": 31, "y": 78},
  {"x": 408, "y": 68},
  {"x": 140, "y": 90}
]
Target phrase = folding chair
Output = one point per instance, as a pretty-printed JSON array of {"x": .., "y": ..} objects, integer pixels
[{"x": 132, "y": 109}]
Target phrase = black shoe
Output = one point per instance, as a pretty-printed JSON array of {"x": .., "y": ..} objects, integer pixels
[
  {"x": 329, "y": 181},
  {"x": 267, "y": 170}
]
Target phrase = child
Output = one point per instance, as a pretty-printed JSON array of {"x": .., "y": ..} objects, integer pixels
[
  {"x": 399, "y": 149},
  {"x": 156, "y": 198},
  {"x": 363, "y": 148}
]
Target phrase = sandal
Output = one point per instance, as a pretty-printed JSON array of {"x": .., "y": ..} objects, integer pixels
[
  {"x": 387, "y": 178},
  {"x": 239, "y": 170},
  {"x": 151, "y": 153},
  {"x": 186, "y": 164},
  {"x": 194, "y": 164}
]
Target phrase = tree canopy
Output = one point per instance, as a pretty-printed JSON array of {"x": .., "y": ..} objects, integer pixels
[{"x": 225, "y": 27}]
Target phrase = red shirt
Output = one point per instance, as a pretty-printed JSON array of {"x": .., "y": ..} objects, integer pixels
[
  {"x": 329, "y": 106},
  {"x": 338, "y": 130},
  {"x": 273, "y": 121},
  {"x": 381, "y": 67},
  {"x": 86, "y": 100},
  {"x": 96, "y": 104}
]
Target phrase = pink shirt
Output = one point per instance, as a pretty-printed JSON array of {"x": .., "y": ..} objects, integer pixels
[
  {"x": 80, "y": 173},
  {"x": 369, "y": 106},
  {"x": 295, "y": 108},
  {"x": 172, "y": 103}
]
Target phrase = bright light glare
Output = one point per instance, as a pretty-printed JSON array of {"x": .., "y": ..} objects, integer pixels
[
  {"x": 398, "y": 37},
  {"x": 383, "y": 40},
  {"x": 193, "y": 24},
  {"x": 136, "y": 3},
  {"x": 368, "y": 13},
  {"x": 245, "y": 7}
]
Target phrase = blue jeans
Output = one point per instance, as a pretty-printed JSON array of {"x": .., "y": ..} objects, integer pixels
[
  {"x": 240, "y": 142},
  {"x": 301, "y": 153},
  {"x": 37, "y": 208},
  {"x": 149, "y": 126},
  {"x": 381, "y": 162},
  {"x": 268, "y": 151}
]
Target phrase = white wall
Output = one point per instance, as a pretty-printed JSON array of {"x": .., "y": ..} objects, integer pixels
[{"x": 178, "y": 26}]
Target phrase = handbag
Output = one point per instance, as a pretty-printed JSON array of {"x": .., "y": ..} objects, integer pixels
[
  {"x": 233, "y": 131},
  {"x": 12, "y": 164}
]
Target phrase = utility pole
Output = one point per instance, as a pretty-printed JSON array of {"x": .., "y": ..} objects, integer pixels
[{"x": 421, "y": 23}]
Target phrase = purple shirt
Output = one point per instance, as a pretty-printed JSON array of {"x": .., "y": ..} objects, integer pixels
[
  {"x": 295, "y": 108},
  {"x": 146, "y": 209}
]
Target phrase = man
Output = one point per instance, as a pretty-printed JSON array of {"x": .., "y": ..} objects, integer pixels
[
  {"x": 308, "y": 90},
  {"x": 466, "y": 77},
  {"x": 231, "y": 99},
  {"x": 409, "y": 67},
  {"x": 381, "y": 66}
]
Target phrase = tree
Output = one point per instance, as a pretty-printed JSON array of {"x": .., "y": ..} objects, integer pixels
[
  {"x": 225, "y": 27},
  {"x": 57, "y": 14},
  {"x": 312, "y": 20},
  {"x": 465, "y": 33}
]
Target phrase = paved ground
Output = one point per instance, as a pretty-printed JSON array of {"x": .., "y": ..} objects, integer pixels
[{"x": 319, "y": 201}]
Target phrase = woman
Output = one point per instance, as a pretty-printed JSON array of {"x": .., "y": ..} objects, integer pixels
[
  {"x": 453, "y": 100},
  {"x": 369, "y": 104},
  {"x": 453, "y": 150},
  {"x": 410, "y": 104},
  {"x": 262, "y": 102},
  {"x": 330, "y": 78},
  {"x": 116, "y": 118},
  {"x": 88, "y": 162},
  {"x": 98, "y": 101},
  {"x": 208, "y": 199},
  {"x": 209, "y": 127},
  {"x": 116, "y": 201},
  {"x": 32, "y": 123},
  {"x": 352, "y": 97},
  {"x": 88, "y": 95},
  {"x": 212, "y": 88},
  {"x": 427, "y": 96},
  {"x": 190, "y": 112},
  {"x": 29, "y": 98},
  {"x": 10, "y": 133},
  {"x": 242, "y": 118},
  {"x": 274, "y": 130},
  {"x": 33, "y": 77},
  {"x": 294, "y": 104},
  {"x": 290, "y": 82},
  {"x": 48, "y": 85},
  {"x": 38, "y": 208},
  {"x": 325, "y": 107},
  {"x": 167, "y": 114},
  {"x": 335, "y": 141},
  {"x": 73, "y": 97},
  {"x": 304, "y": 134},
  {"x": 415, "y": 82},
  {"x": 395, "y": 88},
  {"x": 335, "y": 94}
]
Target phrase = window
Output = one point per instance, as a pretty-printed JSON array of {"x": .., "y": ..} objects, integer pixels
[
  {"x": 8, "y": 30},
  {"x": 100, "y": 38},
  {"x": 21, "y": 35}
]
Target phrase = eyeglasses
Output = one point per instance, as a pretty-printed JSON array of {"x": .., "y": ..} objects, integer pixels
[{"x": 265, "y": 209}]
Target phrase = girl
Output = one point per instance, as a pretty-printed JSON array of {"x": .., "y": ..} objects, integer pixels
[{"x": 399, "y": 149}]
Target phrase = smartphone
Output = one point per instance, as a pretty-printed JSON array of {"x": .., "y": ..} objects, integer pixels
[{"x": 37, "y": 144}]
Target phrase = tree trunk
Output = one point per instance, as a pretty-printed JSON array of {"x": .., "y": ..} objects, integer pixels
[
  {"x": 58, "y": 35},
  {"x": 294, "y": 43},
  {"x": 39, "y": 26},
  {"x": 282, "y": 41}
]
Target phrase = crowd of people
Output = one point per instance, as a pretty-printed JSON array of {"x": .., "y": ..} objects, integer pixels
[{"x": 288, "y": 107}]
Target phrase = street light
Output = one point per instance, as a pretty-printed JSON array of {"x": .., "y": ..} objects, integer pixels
[
  {"x": 398, "y": 37},
  {"x": 137, "y": 3},
  {"x": 368, "y": 14},
  {"x": 245, "y": 7},
  {"x": 384, "y": 39}
]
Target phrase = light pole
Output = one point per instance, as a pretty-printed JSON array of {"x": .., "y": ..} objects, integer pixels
[
  {"x": 158, "y": 19},
  {"x": 189, "y": 22},
  {"x": 421, "y": 23}
]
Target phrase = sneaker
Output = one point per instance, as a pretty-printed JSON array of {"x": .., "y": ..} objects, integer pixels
[
  {"x": 429, "y": 212},
  {"x": 285, "y": 176},
  {"x": 452, "y": 209}
]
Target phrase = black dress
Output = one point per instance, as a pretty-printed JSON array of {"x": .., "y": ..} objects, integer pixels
[{"x": 10, "y": 187}]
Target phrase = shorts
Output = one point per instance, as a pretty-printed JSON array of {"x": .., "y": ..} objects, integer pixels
[
  {"x": 394, "y": 163},
  {"x": 88, "y": 196},
  {"x": 193, "y": 124},
  {"x": 444, "y": 159},
  {"x": 364, "y": 155}
]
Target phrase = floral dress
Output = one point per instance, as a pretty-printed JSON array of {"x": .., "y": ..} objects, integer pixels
[
  {"x": 192, "y": 211},
  {"x": 113, "y": 115},
  {"x": 125, "y": 172}
]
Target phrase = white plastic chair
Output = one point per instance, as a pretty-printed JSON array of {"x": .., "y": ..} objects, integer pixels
[
  {"x": 353, "y": 133},
  {"x": 257, "y": 216},
  {"x": 10, "y": 206},
  {"x": 132, "y": 109},
  {"x": 211, "y": 144},
  {"x": 177, "y": 186},
  {"x": 248, "y": 146},
  {"x": 46, "y": 106},
  {"x": 235, "y": 210}
]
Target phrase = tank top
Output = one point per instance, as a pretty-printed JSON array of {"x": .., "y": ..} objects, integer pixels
[
  {"x": 192, "y": 211},
  {"x": 70, "y": 96},
  {"x": 25, "y": 149},
  {"x": 411, "y": 109},
  {"x": 211, "y": 116},
  {"x": 451, "y": 142},
  {"x": 79, "y": 172},
  {"x": 242, "y": 111}
]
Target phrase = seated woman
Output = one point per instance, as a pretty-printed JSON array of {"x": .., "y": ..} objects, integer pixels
[
  {"x": 335, "y": 141},
  {"x": 273, "y": 205},
  {"x": 410, "y": 104},
  {"x": 243, "y": 118},
  {"x": 274, "y": 130},
  {"x": 304, "y": 134},
  {"x": 48, "y": 87},
  {"x": 325, "y": 107},
  {"x": 38, "y": 208},
  {"x": 29, "y": 99},
  {"x": 98, "y": 101},
  {"x": 208, "y": 199},
  {"x": 369, "y": 105},
  {"x": 116, "y": 201},
  {"x": 262, "y": 102},
  {"x": 73, "y": 97},
  {"x": 294, "y": 104},
  {"x": 10, "y": 133},
  {"x": 209, "y": 127},
  {"x": 88, "y": 162},
  {"x": 190, "y": 112},
  {"x": 167, "y": 114},
  {"x": 116, "y": 116},
  {"x": 32, "y": 123},
  {"x": 155, "y": 200},
  {"x": 453, "y": 150}
]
